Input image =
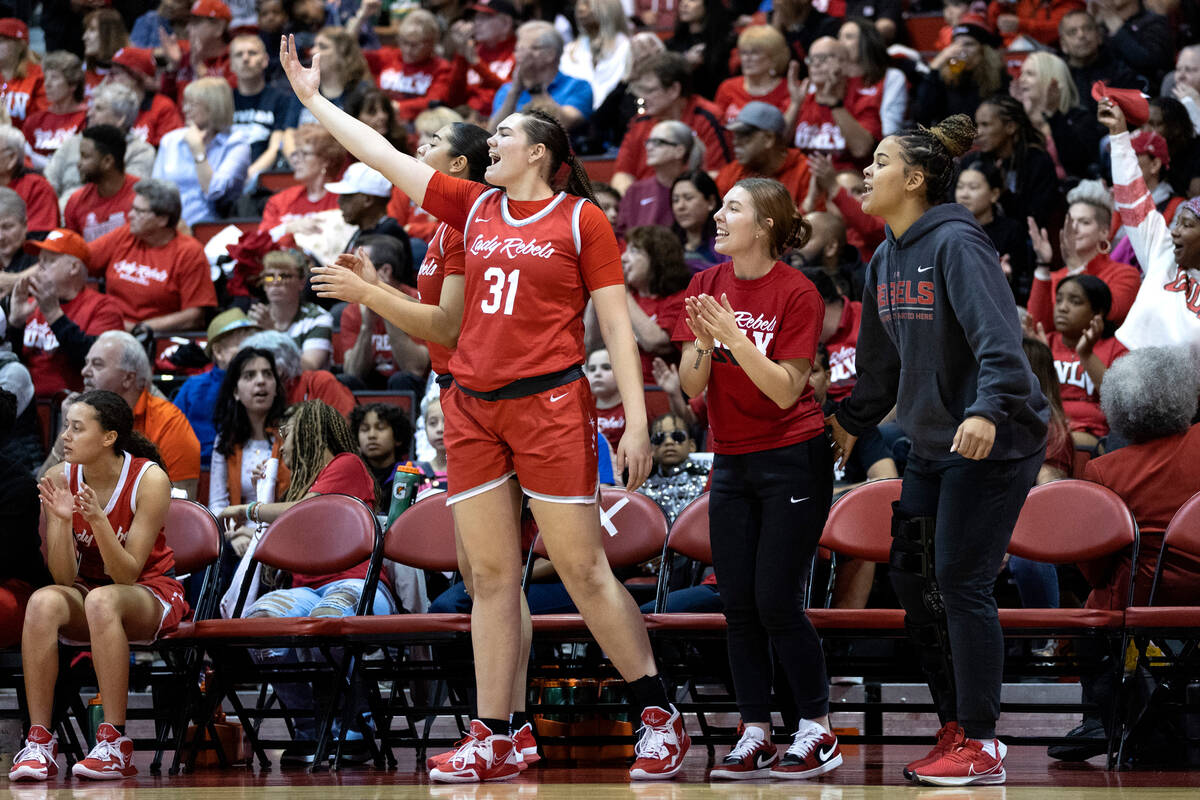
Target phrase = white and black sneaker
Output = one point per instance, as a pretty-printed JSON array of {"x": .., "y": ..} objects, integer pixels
[{"x": 751, "y": 757}]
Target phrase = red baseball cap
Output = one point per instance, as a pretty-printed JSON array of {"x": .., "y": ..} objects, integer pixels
[
  {"x": 61, "y": 240},
  {"x": 493, "y": 7},
  {"x": 1153, "y": 144},
  {"x": 135, "y": 59},
  {"x": 1135, "y": 104},
  {"x": 212, "y": 9},
  {"x": 13, "y": 28}
]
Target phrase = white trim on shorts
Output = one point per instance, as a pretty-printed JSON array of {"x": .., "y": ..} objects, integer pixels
[
  {"x": 594, "y": 497},
  {"x": 166, "y": 610},
  {"x": 467, "y": 494}
]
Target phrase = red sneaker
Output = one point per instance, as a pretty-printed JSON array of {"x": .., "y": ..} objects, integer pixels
[
  {"x": 751, "y": 757},
  {"x": 526, "y": 746},
  {"x": 814, "y": 752},
  {"x": 661, "y": 745},
  {"x": 441, "y": 758},
  {"x": 949, "y": 736},
  {"x": 972, "y": 763},
  {"x": 37, "y": 760},
  {"x": 110, "y": 760},
  {"x": 483, "y": 757}
]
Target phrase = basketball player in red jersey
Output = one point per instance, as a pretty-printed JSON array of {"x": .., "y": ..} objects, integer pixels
[
  {"x": 113, "y": 578},
  {"x": 519, "y": 404},
  {"x": 460, "y": 150},
  {"x": 749, "y": 338}
]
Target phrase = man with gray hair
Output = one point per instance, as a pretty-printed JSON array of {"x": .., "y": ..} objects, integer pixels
[
  {"x": 302, "y": 384},
  {"x": 117, "y": 362},
  {"x": 15, "y": 263},
  {"x": 1149, "y": 397},
  {"x": 156, "y": 276},
  {"x": 538, "y": 83},
  {"x": 112, "y": 104},
  {"x": 41, "y": 204}
]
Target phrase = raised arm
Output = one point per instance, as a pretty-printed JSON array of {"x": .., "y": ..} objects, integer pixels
[{"x": 367, "y": 145}]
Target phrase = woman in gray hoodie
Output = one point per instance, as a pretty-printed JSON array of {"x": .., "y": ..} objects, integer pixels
[{"x": 940, "y": 340}]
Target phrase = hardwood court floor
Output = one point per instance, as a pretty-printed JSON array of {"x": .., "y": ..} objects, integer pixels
[{"x": 869, "y": 773}]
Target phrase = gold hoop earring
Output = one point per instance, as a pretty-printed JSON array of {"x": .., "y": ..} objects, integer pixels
[{"x": 1105, "y": 246}]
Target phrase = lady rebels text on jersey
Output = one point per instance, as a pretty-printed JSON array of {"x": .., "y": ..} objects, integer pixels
[{"x": 559, "y": 250}]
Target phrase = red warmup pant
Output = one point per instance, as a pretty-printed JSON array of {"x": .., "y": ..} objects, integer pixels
[{"x": 14, "y": 594}]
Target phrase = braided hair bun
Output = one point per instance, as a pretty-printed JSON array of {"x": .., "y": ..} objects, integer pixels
[{"x": 956, "y": 134}]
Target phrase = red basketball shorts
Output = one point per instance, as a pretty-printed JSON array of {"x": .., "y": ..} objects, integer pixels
[{"x": 548, "y": 440}]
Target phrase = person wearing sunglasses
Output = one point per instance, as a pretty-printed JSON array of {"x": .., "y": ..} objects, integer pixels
[
  {"x": 310, "y": 326},
  {"x": 676, "y": 479}
]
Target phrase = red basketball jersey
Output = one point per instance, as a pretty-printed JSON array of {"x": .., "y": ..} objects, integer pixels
[
  {"x": 120, "y": 510},
  {"x": 529, "y": 271},
  {"x": 444, "y": 257}
]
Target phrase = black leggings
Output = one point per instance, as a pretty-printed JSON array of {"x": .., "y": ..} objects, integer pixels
[
  {"x": 975, "y": 505},
  {"x": 766, "y": 511}
]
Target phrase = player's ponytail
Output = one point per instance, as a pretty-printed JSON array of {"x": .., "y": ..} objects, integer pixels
[
  {"x": 772, "y": 201},
  {"x": 542, "y": 128}
]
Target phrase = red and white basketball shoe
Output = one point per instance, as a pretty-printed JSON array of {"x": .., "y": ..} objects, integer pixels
[
  {"x": 814, "y": 752},
  {"x": 949, "y": 736},
  {"x": 751, "y": 757},
  {"x": 972, "y": 763},
  {"x": 661, "y": 745},
  {"x": 37, "y": 760},
  {"x": 484, "y": 756},
  {"x": 110, "y": 760}
]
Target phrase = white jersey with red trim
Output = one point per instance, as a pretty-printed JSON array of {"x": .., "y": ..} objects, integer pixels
[
  {"x": 524, "y": 293},
  {"x": 1166, "y": 311}
]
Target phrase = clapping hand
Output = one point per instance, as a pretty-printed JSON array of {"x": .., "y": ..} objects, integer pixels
[
  {"x": 57, "y": 500},
  {"x": 718, "y": 319},
  {"x": 1091, "y": 334},
  {"x": 340, "y": 282},
  {"x": 87, "y": 505}
]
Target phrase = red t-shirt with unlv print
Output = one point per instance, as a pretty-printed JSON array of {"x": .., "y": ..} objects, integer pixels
[
  {"x": 23, "y": 96},
  {"x": 843, "y": 351},
  {"x": 611, "y": 422},
  {"x": 444, "y": 257},
  {"x": 817, "y": 132},
  {"x": 781, "y": 313},
  {"x": 146, "y": 281},
  {"x": 1080, "y": 396},
  {"x": 530, "y": 268},
  {"x": 46, "y": 131}
]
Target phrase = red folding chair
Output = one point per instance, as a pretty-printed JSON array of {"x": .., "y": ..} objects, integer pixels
[
  {"x": 323, "y": 535},
  {"x": 1175, "y": 630}
]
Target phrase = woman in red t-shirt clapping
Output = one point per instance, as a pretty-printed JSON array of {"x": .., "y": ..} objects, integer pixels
[{"x": 749, "y": 338}]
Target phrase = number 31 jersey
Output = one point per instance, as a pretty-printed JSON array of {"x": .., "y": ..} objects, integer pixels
[{"x": 530, "y": 266}]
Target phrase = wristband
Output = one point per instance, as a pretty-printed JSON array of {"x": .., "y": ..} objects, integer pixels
[
  {"x": 250, "y": 511},
  {"x": 701, "y": 352}
]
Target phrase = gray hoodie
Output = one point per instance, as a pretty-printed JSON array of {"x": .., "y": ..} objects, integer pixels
[{"x": 940, "y": 338}]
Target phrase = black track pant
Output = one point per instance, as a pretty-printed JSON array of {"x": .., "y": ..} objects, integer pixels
[
  {"x": 976, "y": 505},
  {"x": 766, "y": 512}
]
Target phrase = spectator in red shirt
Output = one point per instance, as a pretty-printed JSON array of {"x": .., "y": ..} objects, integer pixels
[
  {"x": 1037, "y": 19},
  {"x": 302, "y": 384},
  {"x": 1084, "y": 245},
  {"x": 377, "y": 354},
  {"x": 764, "y": 55},
  {"x": 156, "y": 276},
  {"x": 483, "y": 49},
  {"x": 657, "y": 277},
  {"x": 663, "y": 87},
  {"x": 834, "y": 115},
  {"x": 157, "y": 113},
  {"x": 760, "y": 150},
  {"x": 24, "y": 91},
  {"x": 103, "y": 35},
  {"x": 64, "y": 115},
  {"x": 671, "y": 150},
  {"x": 102, "y": 204},
  {"x": 41, "y": 203},
  {"x": 56, "y": 317},
  {"x": 318, "y": 159},
  {"x": 205, "y": 54},
  {"x": 412, "y": 74}
]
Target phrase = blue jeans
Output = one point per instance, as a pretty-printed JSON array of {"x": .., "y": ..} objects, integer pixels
[
  {"x": 334, "y": 599},
  {"x": 543, "y": 598},
  {"x": 1037, "y": 583},
  {"x": 692, "y": 600}
]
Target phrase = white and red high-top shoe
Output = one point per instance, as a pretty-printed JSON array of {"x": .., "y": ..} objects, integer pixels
[
  {"x": 37, "y": 760},
  {"x": 661, "y": 745},
  {"x": 110, "y": 760},
  {"x": 484, "y": 756}
]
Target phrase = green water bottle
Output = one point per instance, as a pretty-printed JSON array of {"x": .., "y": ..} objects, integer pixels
[
  {"x": 95, "y": 715},
  {"x": 405, "y": 484}
]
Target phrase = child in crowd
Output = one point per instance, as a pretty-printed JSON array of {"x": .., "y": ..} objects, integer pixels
[
  {"x": 676, "y": 479},
  {"x": 384, "y": 437},
  {"x": 610, "y": 410},
  {"x": 435, "y": 423}
]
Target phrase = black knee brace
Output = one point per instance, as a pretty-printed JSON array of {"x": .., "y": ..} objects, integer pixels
[{"x": 913, "y": 553}]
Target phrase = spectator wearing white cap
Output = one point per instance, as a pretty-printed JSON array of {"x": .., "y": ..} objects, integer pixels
[{"x": 363, "y": 196}]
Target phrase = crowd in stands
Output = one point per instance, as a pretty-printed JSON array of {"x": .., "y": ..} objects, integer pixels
[{"x": 138, "y": 127}]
